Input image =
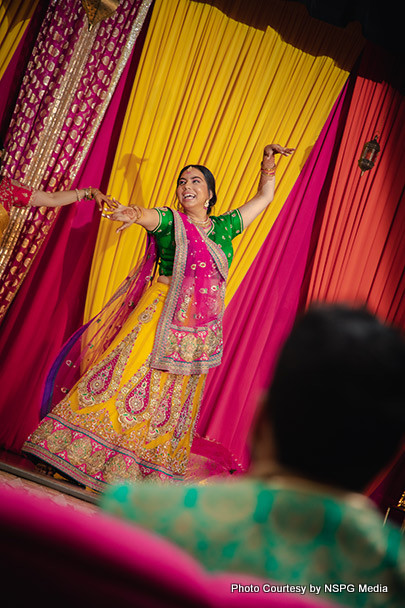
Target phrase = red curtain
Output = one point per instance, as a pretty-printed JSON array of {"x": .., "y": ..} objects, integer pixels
[{"x": 360, "y": 249}]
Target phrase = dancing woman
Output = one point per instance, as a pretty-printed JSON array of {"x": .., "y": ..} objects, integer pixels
[{"x": 122, "y": 400}]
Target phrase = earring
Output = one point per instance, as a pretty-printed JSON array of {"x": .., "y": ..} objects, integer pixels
[{"x": 206, "y": 204}]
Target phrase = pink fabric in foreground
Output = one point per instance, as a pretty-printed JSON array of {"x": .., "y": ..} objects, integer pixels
[
  {"x": 64, "y": 557},
  {"x": 260, "y": 315}
]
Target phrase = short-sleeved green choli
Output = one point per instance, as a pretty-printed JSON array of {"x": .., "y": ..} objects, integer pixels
[{"x": 224, "y": 228}]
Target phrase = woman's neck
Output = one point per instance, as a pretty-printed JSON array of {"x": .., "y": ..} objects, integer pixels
[{"x": 202, "y": 220}]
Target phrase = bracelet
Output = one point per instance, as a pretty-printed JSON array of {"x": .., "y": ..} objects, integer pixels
[
  {"x": 270, "y": 171},
  {"x": 77, "y": 195},
  {"x": 88, "y": 194}
]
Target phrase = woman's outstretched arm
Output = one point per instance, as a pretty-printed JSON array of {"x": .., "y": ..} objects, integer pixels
[
  {"x": 265, "y": 191},
  {"x": 67, "y": 197}
]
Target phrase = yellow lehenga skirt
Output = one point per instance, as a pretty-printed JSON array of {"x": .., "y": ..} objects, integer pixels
[{"x": 124, "y": 421}]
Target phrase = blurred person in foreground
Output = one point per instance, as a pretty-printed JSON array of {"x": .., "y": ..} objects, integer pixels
[{"x": 333, "y": 418}]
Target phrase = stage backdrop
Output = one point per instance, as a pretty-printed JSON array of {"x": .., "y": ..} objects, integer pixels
[
  {"x": 245, "y": 78},
  {"x": 338, "y": 238},
  {"x": 359, "y": 247},
  {"x": 262, "y": 311},
  {"x": 214, "y": 87}
]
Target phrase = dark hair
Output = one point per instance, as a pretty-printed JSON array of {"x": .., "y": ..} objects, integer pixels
[
  {"x": 336, "y": 402},
  {"x": 209, "y": 179}
]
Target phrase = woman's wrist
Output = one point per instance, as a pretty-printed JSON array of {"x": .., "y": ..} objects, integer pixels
[
  {"x": 268, "y": 162},
  {"x": 267, "y": 175},
  {"x": 268, "y": 168},
  {"x": 271, "y": 172},
  {"x": 85, "y": 193},
  {"x": 135, "y": 212}
]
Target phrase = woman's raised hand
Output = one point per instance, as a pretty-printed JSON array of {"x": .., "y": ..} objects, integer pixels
[
  {"x": 272, "y": 149},
  {"x": 268, "y": 162}
]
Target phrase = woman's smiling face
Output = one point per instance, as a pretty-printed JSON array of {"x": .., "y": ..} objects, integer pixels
[{"x": 192, "y": 190}]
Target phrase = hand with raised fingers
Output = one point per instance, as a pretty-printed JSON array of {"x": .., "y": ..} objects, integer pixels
[
  {"x": 268, "y": 162},
  {"x": 277, "y": 149}
]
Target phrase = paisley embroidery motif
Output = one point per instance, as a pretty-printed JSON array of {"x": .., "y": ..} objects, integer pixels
[
  {"x": 59, "y": 440},
  {"x": 132, "y": 399},
  {"x": 102, "y": 381},
  {"x": 185, "y": 420},
  {"x": 79, "y": 451},
  {"x": 95, "y": 462}
]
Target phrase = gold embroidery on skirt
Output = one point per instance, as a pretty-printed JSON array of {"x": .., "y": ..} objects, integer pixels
[
  {"x": 42, "y": 432},
  {"x": 79, "y": 451},
  {"x": 59, "y": 440},
  {"x": 102, "y": 381}
]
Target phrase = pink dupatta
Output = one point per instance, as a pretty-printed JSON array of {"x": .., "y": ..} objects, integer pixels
[{"x": 189, "y": 333}]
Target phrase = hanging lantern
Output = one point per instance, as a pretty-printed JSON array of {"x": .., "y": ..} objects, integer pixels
[
  {"x": 369, "y": 155},
  {"x": 97, "y": 10}
]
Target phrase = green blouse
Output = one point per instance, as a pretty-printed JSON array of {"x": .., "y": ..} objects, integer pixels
[{"x": 223, "y": 229}]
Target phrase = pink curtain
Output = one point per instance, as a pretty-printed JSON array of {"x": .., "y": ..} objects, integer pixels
[
  {"x": 52, "y": 296},
  {"x": 263, "y": 309},
  {"x": 67, "y": 86}
]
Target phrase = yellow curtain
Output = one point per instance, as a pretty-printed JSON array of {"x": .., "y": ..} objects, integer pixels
[
  {"x": 214, "y": 87},
  {"x": 14, "y": 18}
]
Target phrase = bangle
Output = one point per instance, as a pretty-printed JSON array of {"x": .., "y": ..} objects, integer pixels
[
  {"x": 88, "y": 194},
  {"x": 77, "y": 195},
  {"x": 270, "y": 171}
]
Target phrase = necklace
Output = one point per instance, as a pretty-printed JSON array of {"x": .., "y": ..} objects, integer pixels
[{"x": 204, "y": 224}]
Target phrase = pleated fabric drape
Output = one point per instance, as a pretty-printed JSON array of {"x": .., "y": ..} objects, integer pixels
[
  {"x": 49, "y": 306},
  {"x": 68, "y": 83},
  {"x": 360, "y": 248},
  {"x": 15, "y": 15},
  {"x": 358, "y": 252},
  {"x": 214, "y": 86}
]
